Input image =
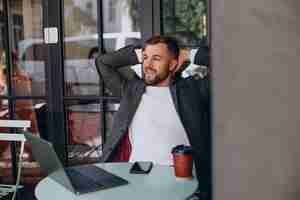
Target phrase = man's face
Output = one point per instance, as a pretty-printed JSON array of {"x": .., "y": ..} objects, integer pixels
[{"x": 158, "y": 64}]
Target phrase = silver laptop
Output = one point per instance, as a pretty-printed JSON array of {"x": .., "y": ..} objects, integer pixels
[{"x": 78, "y": 179}]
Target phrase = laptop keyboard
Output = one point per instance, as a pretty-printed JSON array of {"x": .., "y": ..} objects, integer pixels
[
  {"x": 82, "y": 183},
  {"x": 89, "y": 178},
  {"x": 99, "y": 175}
]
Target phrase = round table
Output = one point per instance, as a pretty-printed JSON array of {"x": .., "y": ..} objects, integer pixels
[{"x": 159, "y": 184}]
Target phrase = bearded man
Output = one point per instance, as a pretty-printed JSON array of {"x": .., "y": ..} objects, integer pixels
[{"x": 160, "y": 110}]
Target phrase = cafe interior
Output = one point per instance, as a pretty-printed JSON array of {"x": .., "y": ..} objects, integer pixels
[{"x": 49, "y": 85}]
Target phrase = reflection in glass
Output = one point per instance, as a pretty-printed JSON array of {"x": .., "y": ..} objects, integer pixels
[
  {"x": 3, "y": 71},
  {"x": 4, "y": 113},
  {"x": 81, "y": 77},
  {"x": 36, "y": 112},
  {"x": 121, "y": 27},
  {"x": 27, "y": 110},
  {"x": 84, "y": 127},
  {"x": 28, "y": 55},
  {"x": 27, "y": 78},
  {"x": 120, "y": 23},
  {"x": 3, "y": 77},
  {"x": 81, "y": 47},
  {"x": 199, "y": 58},
  {"x": 186, "y": 19}
]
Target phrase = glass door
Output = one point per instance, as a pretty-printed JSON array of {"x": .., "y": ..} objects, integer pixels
[
  {"x": 187, "y": 21},
  {"x": 55, "y": 84},
  {"x": 22, "y": 82},
  {"x": 92, "y": 28}
]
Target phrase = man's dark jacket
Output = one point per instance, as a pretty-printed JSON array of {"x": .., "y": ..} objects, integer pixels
[{"x": 191, "y": 99}]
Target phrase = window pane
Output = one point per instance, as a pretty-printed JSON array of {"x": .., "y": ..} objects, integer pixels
[
  {"x": 81, "y": 47},
  {"x": 186, "y": 19},
  {"x": 84, "y": 128},
  {"x": 121, "y": 24},
  {"x": 27, "y": 69},
  {"x": 199, "y": 58},
  {"x": 4, "y": 146},
  {"x": 28, "y": 51},
  {"x": 3, "y": 76},
  {"x": 3, "y": 84},
  {"x": 28, "y": 55},
  {"x": 30, "y": 110},
  {"x": 36, "y": 112}
]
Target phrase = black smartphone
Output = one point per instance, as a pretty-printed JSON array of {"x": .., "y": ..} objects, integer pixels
[{"x": 142, "y": 167}]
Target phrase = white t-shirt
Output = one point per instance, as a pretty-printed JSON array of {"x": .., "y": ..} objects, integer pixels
[{"x": 156, "y": 128}]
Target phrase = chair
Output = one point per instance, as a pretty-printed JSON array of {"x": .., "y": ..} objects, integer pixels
[{"x": 11, "y": 137}]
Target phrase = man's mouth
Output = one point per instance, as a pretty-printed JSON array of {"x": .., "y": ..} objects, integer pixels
[
  {"x": 150, "y": 71},
  {"x": 150, "y": 75}
]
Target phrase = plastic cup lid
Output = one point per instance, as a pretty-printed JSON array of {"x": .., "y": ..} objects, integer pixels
[{"x": 182, "y": 149}]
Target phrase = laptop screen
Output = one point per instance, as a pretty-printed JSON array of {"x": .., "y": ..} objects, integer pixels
[{"x": 50, "y": 164}]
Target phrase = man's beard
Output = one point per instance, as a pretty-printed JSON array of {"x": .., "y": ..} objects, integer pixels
[{"x": 151, "y": 77}]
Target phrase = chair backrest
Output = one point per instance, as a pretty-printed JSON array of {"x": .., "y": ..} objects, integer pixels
[
  {"x": 24, "y": 124},
  {"x": 12, "y": 137}
]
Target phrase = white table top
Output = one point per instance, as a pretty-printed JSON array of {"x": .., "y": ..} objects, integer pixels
[{"x": 160, "y": 184}]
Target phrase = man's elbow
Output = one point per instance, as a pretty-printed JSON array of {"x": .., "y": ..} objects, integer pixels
[{"x": 99, "y": 63}]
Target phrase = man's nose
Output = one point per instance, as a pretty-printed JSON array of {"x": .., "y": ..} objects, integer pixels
[{"x": 147, "y": 63}]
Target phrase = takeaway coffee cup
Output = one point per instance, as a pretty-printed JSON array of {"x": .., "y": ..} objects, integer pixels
[{"x": 183, "y": 161}]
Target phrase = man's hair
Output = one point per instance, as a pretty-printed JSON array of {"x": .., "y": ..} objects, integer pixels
[{"x": 172, "y": 43}]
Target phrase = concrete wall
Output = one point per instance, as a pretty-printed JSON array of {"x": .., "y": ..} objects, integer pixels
[{"x": 256, "y": 60}]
